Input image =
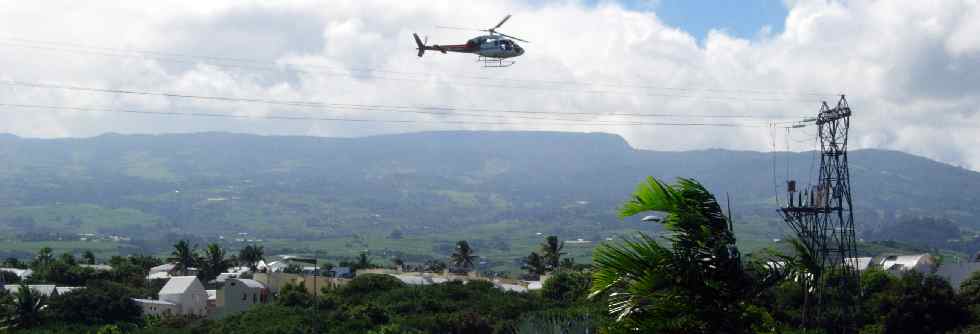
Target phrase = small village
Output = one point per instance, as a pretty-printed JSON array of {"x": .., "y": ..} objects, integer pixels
[{"x": 239, "y": 288}]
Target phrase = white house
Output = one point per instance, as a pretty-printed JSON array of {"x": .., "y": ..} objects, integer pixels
[
  {"x": 859, "y": 263},
  {"x": 42, "y": 289},
  {"x": 46, "y": 290},
  {"x": 237, "y": 295},
  {"x": 22, "y": 273},
  {"x": 157, "y": 307},
  {"x": 188, "y": 293},
  {"x": 957, "y": 272},
  {"x": 233, "y": 272},
  {"x": 97, "y": 267},
  {"x": 272, "y": 267},
  {"x": 183, "y": 295},
  {"x": 168, "y": 270},
  {"x": 923, "y": 263}
]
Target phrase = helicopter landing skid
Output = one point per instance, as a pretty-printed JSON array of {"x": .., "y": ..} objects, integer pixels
[{"x": 494, "y": 62}]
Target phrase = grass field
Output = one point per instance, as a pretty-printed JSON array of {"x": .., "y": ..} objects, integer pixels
[{"x": 101, "y": 249}]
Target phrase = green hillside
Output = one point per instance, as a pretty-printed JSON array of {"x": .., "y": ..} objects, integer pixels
[{"x": 497, "y": 189}]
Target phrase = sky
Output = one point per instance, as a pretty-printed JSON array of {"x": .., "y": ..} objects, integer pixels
[
  {"x": 645, "y": 70},
  {"x": 738, "y": 18}
]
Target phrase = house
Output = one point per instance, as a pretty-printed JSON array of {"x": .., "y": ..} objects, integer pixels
[
  {"x": 341, "y": 272},
  {"x": 277, "y": 280},
  {"x": 272, "y": 267},
  {"x": 859, "y": 263},
  {"x": 22, "y": 273},
  {"x": 212, "y": 301},
  {"x": 97, "y": 267},
  {"x": 157, "y": 307},
  {"x": 168, "y": 270},
  {"x": 956, "y": 273},
  {"x": 182, "y": 295},
  {"x": 46, "y": 290},
  {"x": 237, "y": 295},
  {"x": 233, "y": 272},
  {"x": 420, "y": 279},
  {"x": 923, "y": 263},
  {"x": 161, "y": 272},
  {"x": 188, "y": 293},
  {"x": 60, "y": 290}
]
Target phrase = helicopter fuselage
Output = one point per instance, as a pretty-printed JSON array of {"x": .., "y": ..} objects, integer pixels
[{"x": 486, "y": 46}]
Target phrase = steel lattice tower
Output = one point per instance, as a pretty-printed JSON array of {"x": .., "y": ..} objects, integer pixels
[{"x": 823, "y": 220}]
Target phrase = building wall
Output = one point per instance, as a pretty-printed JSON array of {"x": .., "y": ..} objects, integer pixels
[
  {"x": 236, "y": 297},
  {"x": 275, "y": 281},
  {"x": 158, "y": 309},
  {"x": 956, "y": 273},
  {"x": 193, "y": 301}
]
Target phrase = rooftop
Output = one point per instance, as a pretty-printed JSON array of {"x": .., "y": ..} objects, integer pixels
[
  {"x": 152, "y": 301},
  {"x": 178, "y": 285},
  {"x": 251, "y": 283}
]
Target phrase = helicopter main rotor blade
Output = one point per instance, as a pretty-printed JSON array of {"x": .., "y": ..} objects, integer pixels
[
  {"x": 501, "y": 22},
  {"x": 511, "y": 37},
  {"x": 458, "y": 28}
]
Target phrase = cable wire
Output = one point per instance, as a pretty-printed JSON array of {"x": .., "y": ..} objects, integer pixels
[
  {"x": 366, "y": 120},
  {"x": 448, "y": 110}
]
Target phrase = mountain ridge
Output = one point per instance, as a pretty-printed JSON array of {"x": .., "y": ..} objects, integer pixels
[{"x": 303, "y": 186}]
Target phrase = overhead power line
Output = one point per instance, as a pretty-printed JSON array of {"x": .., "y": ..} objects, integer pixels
[
  {"x": 430, "y": 110},
  {"x": 368, "y": 120},
  {"x": 565, "y": 86}
]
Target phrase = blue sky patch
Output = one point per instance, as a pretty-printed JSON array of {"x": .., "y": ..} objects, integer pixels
[{"x": 741, "y": 18}]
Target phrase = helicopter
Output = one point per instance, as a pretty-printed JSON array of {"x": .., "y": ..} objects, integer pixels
[{"x": 492, "y": 50}]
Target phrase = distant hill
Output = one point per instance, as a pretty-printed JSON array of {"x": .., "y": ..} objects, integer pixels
[{"x": 420, "y": 184}]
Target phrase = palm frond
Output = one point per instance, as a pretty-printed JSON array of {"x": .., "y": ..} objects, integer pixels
[
  {"x": 651, "y": 195},
  {"x": 630, "y": 274}
]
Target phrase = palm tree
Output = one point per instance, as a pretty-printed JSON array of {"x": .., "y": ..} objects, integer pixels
[
  {"x": 184, "y": 257},
  {"x": 88, "y": 257},
  {"x": 567, "y": 263},
  {"x": 534, "y": 264},
  {"x": 68, "y": 259},
  {"x": 6, "y": 304},
  {"x": 326, "y": 267},
  {"x": 26, "y": 309},
  {"x": 251, "y": 255},
  {"x": 805, "y": 267},
  {"x": 462, "y": 257},
  {"x": 697, "y": 285},
  {"x": 434, "y": 266},
  {"x": 44, "y": 258},
  {"x": 551, "y": 251},
  {"x": 214, "y": 262},
  {"x": 555, "y": 323},
  {"x": 363, "y": 262},
  {"x": 13, "y": 262}
]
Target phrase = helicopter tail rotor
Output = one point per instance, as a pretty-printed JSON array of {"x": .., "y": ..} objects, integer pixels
[{"x": 421, "y": 45}]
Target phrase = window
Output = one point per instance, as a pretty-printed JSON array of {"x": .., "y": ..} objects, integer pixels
[
  {"x": 255, "y": 298},
  {"x": 244, "y": 296}
]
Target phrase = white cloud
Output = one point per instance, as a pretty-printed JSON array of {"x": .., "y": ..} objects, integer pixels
[{"x": 911, "y": 68}]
